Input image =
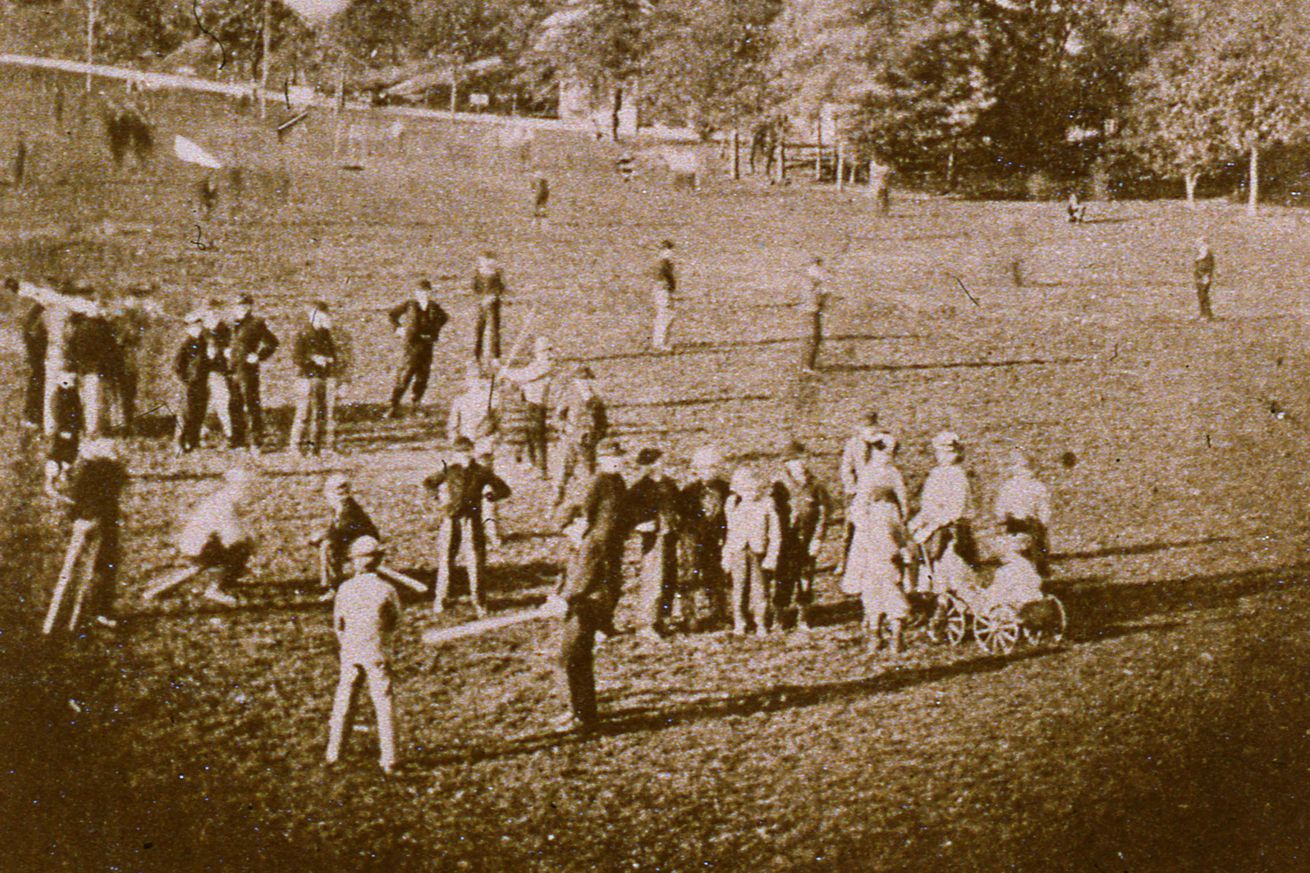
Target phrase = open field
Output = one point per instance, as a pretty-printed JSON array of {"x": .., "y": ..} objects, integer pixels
[{"x": 1169, "y": 733}]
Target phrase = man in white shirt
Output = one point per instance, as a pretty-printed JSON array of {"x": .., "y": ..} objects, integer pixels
[
  {"x": 364, "y": 617},
  {"x": 471, "y": 414}
]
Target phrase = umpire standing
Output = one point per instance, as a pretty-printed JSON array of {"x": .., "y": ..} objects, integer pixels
[
  {"x": 252, "y": 344},
  {"x": 418, "y": 322}
]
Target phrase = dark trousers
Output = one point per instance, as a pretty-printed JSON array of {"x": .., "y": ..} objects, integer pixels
[
  {"x": 195, "y": 403},
  {"x": 415, "y": 369},
  {"x": 487, "y": 336},
  {"x": 104, "y": 568},
  {"x": 577, "y": 658},
  {"x": 536, "y": 437},
  {"x": 34, "y": 392},
  {"x": 1203, "y": 298},
  {"x": 248, "y": 405},
  {"x": 125, "y": 385},
  {"x": 659, "y": 574},
  {"x": 810, "y": 341}
]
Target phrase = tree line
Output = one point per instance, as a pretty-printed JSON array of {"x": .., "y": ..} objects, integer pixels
[{"x": 936, "y": 88}]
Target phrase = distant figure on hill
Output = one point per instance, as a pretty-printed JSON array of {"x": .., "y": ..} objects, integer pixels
[
  {"x": 811, "y": 308},
  {"x": 540, "y": 198},
  {"x": 1075, "y": 210},
  {"x": 488, "y": 288},
  {"x": 1203, "y": 274}
]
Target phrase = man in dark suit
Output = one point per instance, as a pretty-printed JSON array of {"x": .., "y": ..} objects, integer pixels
[
  {"x": 586, "y": 596},
  {"x": 461, "y": 485},
  {"x": 252, "y": 344},
  {"x": 654, "y": 500},
  {"x": 418, "y": 322},
  {"x": 315, "y": 357},
  {"x": 191, "y": 366},
  {"x": 36, "y": 340},
  {"x": 704, "y": 528}
]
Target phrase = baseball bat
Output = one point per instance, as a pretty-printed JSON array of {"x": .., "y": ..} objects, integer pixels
[
  {"x": 401, "y": 579},
  {"x": 441, "y": 635}
]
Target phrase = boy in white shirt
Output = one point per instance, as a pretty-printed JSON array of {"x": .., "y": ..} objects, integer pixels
[
  {"x": 750, "y": 552},
  {"x": 365, "y": 614}
]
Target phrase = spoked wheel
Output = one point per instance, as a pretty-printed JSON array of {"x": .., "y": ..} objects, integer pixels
[
  {"x": 997, "y": 630},
  {"x": 957, "y": 622},
  {"x": 1052, "y": 622}
]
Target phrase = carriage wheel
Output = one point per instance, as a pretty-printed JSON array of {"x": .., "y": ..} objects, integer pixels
[
  {"x": 957, "y": 622},
  {"x": 997, "y": 631}
]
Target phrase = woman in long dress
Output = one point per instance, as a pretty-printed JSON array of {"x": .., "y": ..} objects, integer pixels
[{"x": 873, "y": 569}]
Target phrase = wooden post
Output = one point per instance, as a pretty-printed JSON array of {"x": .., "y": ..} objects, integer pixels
[
  {"x": 338, "y": 105},
  {"x": 454, "y": 89},
  {"x": 90, "y": 39},
  {"x": 782, "y": 160},
  {"x": 841, "y": 164},
  {"x": 818, "y": 149},
  {"x": 736, "y": 155},
  {"x": 263, "y": 59}
]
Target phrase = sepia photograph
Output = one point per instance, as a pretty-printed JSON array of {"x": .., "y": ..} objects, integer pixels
[{"x": 654, "y": 435}]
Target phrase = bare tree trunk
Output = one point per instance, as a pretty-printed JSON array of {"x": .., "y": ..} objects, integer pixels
[
  {"x": 950, "y": 170},
  {"x": 1189, "y": 181},
  {"x": 736, "y": 155},
  {"x": 263, "y": 59},
  {"x": 616, "y": 105},
  {"x": 1253, "y": 183},
  {"x": 841, "y": 164},
  {"x": 90, "y": 39}
]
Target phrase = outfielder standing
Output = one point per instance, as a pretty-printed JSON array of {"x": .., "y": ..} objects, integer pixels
[
  {"x": 1203, "y": 275},
  {"x": 364, "y": 617},
  {"x": 488, "y": 288},
  {"x": 418, "y": 322},
  {"x": 665, "y": 286},
  {"x": 811, "y": 308}
]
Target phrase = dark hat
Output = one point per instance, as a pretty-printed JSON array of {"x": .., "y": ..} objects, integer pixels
[
  {"x": 425, "y": 284},
  {"x": 648, "y": 456},
  {"x": 462, "y": 444},
  {"x": 666, "y": 244},
  {"x": 140, "y": 289},
  {"x": 870, "y": 417},
  {"x": 795, "y": 451},
  {"x": 584, "y": 372},
  {"x": 214, "y": 303},
  {"x": 319, "y": 306},
  {"x": 245, "y": 300},
  {"x": 609, "y": 448}
]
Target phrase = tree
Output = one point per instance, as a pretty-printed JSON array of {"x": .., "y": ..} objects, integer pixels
[
  {"x": 706, "y": 65},
  {"x": 600, "y": 42},
  {"x": 1174, "y": 126}
]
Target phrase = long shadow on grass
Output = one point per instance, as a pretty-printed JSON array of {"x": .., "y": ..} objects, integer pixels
[
  {"x": 709, "y": 348},
  {"x": 960, "y": 365},
  {"x": 1139, "y": 549}
]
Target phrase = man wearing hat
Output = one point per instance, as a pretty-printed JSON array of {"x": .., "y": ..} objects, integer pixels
[
  {"x": 215, "y": 537},
  {"x": 191, "y": 366},
  {"x": 418, "y": 322},
  {"x": 36, "y": 341},
  {"x": 585, "y": 423},
  {"x": 587, "y": 594},
  {"x": 461, "y": 486},
  {"x": 804, "y": 507},
  {"x": 252, "y": 344},
  {"x": 653, "y": 499},
  {"x": 811, "y": 311},
  {"x": 94, "y": 498},
  {"x": 135, "y": 321},
  {"x": 855, "y": 455},
  {"x": 348, "y": 523},
  {"x": 364, "y": 617},
  {"x": 315, "y": 357},
  {"x": 703, "y": 528},
  {"x": 534, "y": 381}
]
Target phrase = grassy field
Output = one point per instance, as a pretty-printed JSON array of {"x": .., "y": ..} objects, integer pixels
[{"x": 1169, "y": 733}]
